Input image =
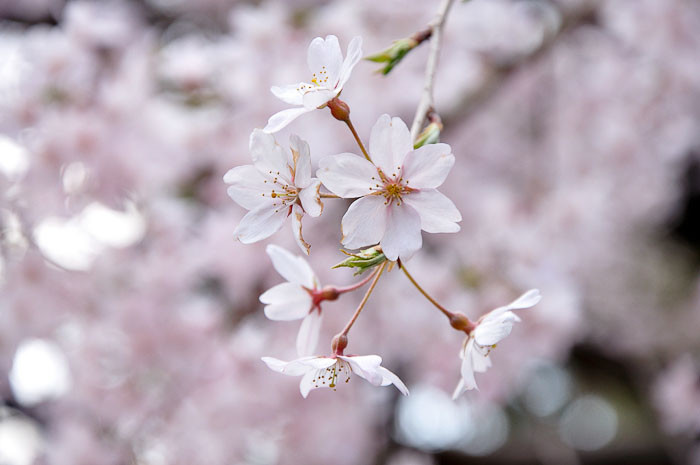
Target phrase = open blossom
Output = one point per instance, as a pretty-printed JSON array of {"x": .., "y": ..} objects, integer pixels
[
  {"x": 329, "y": 73},
  {"x": 320, "y": 372},
  {"x": 294, "y": 299},
  {"x": 489, "y": 330},
  {"x": 397, "y": 189},
  {"x": 277, "y": 185}
]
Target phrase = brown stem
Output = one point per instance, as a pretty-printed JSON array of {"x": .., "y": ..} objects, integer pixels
[
  {"x": 378, "y": 274},
  {"x": 357, "y": 138},
  {"x": 447, "y": 313}
]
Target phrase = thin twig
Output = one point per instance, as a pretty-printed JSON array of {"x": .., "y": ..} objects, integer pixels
[
  {"x": 357, "y": 139},
  {"x": 445, "y": 311},
  {"x": 426, "y": 99},
  {"x": 345, "y": 330}
]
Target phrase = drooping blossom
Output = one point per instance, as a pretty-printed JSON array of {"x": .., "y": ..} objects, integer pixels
[
  {"x": 278, "y": 184},
  {"x": 329, "y": 73},
  {"x": 294, "y": 299},
  {"x": 319, "y": 372},
  {"x": 397, "y": 189},
  {"x": 490, "y": 329}
]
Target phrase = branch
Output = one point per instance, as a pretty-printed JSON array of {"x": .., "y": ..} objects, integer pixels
[{"x": 426, "y": 99}]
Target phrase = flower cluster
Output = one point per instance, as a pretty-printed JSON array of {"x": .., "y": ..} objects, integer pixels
[{"x": 395, "y": 186}]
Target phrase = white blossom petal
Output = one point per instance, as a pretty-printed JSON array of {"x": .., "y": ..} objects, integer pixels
[
  {"x": 301, "y": 156},
  {"x": 389, "y": 142},
  {"x": 286, "y": 302},
  {"x": 259, "y": 224},
  {"x": 247, "y": 185},
  {"x": 310, "y": 328},
  {"x": 293, "y": 268},
  {"x": 310, "y": 198},
  {"x": 364, "y": 223},
  {"x": 297, "y": 215},
  {"x": 352, "y": 57},
  {"x": 316, "y": 98},
  {"x": 437, "y": 212},
  {"x": 307, "y": 383},
  {"x": 527, "y": 300},
  {"x": 281, "y": 119},
  {"x": 325, "y": 58},
  {"x": 480, "y": 362},
  {"x": 428, "y": 166},
  {"x": 402, "y": 237},
  {"x": 293, "y": 368},
  {"x": 347, "y": 175},
  {"x": 458, "y": 390},
  {"x": 467, "y": 369},
  {"x": 491, "y": 331},
  {"x": 365, "y": 366},
  {"x": 389, "y": 377},
  {"x": 289, "y": 93},
  {"x": 269, "y": 157}
]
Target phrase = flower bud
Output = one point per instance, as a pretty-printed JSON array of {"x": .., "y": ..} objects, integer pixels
[
  {"x": 363, "y": 260},
  {"x": 430, "y": 135},
  {"x": 329, "y": 293},
  {"x": 339, "y": 109},
  {"x": 460, "y": 322},
  {"x": 393, "y": 54},
  {"x": 340, "y": 342}
]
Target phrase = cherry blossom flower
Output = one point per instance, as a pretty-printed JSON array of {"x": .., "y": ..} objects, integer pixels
[
  {"x": 277, "y": 185},
  {"x": 320, "y": 372},
  {"x": 329, "y": 73},
  {"x": 489, "y": 330},
  {"x": 294, "y": 299},
  {"x": 398, "y": 190}
]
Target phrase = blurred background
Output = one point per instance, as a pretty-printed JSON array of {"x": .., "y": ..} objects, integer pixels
[{"x": 130, "y": 330}]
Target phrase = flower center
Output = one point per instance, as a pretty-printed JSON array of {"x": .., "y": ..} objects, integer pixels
[
  {"x": 329, "y": 376},
  {"x": 392, "y": 188},
  {"x": 283, "y": 193}
]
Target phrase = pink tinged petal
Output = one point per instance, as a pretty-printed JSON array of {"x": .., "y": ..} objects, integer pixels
[
  {"x": 310, "y": 198},
  {"x": 325, "y": 59},
  {"x": 289, "y": 93},
  {"x": 437, "y": 213},
  {"x": 301, "y": 156},
  {"x": 347, "y": 175},
  {"x": 389, "y": 142},
  {"x": 307, "y": 339},
  {"x": 270, "y": 159},
  {"x": 365, "y": 222},
  {"x": 292, "y": 267},
  {"x": 297, "y": 215},
  {"x": 316, "y": 98},
  {"x": 247, "y": 186},
  {"x": 389, "y": 377},
  {"x": 260, "y": 224},
  {"x": 280, "y": 120},
  {"x": 402, "y": 237},
  {"x": 352, "y": 57},
  {"x": 428, "y": 166},
  {"x": 365, "y": 366},
  {"x": 286, "y": 302}
]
